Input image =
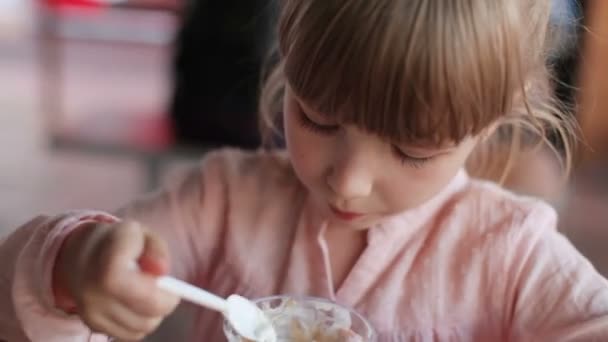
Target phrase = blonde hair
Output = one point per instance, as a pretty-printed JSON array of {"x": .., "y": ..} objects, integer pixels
[{"x": 427, "y": 71}]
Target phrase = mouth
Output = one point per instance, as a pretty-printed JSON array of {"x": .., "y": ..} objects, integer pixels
[{"x": 345, "y": 215}]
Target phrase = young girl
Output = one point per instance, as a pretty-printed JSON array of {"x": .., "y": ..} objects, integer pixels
[{"x": 382, "y": 103}]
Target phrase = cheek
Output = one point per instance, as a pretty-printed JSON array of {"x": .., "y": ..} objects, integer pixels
[
  {"x": 304, "y": 149},
  {"x": 439, "y": 174},
  {"x": 412, "y": 187}
]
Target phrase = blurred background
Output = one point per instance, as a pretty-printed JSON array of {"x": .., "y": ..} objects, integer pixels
[{"x": 102, "y": 99}]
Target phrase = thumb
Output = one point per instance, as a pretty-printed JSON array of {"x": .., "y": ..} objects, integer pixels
[{"x": 154, "y": 258}]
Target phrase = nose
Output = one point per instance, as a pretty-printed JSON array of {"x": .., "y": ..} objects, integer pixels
[{"x": 350, "y": 177}]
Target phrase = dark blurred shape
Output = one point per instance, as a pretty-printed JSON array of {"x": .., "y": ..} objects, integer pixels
[
  {"x": 220, "y": 51},
  {"x": 568, "y": 16}
]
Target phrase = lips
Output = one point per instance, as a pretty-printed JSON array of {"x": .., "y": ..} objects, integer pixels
[{"x": 345, "y": 215}]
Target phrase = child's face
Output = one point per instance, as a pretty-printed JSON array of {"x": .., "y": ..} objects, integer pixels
[{"x": 358, "y": 178}]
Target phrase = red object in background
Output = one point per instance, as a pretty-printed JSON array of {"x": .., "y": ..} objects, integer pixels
[{"x": 74, "y": 5}]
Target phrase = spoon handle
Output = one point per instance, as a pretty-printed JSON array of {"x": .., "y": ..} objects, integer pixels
[{"x": 192, "y": 293}]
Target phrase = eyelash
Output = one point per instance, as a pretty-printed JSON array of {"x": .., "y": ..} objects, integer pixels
[
  {"x": 307, "y": 123},
  {"x": 315, "y": 127},
  {"x": 407, "y": 159}
]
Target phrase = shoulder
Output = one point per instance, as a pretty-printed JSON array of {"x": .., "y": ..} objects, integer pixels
[
  {"x": 231, "y": 180},
  {"x": 243, "y": 162},
  {"x": 261, "y": 203},
  {"x": 258, "y": 189},
  {"x": 495, "y": 209},
  {"x": 495, "y": 222},
  {"x": 250, "y": 170}
]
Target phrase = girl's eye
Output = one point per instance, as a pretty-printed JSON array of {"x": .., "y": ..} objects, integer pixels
[
  {"x": 306, "y": 122},
  {"x": 405, "y": 158}
]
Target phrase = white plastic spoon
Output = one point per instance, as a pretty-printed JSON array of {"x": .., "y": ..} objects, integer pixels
[{"x": 244, "y": 316}]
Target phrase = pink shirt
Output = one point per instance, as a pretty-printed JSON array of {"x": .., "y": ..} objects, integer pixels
[{"x": 475, "y": 263}]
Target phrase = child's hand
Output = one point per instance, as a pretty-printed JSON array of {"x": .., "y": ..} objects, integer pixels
[{"x": 95, "y": 266}]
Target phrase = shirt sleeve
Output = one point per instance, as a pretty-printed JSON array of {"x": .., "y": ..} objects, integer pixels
[
  {"x": 188, "y": 214},
  {"x": 559, "y": 296}
]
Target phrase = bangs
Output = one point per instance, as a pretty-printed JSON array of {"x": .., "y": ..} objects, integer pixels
[{"x": 409, "y": 71}]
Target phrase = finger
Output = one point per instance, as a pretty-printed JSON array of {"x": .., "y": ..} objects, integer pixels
[
  {"x": 132, "y": 321},
  {"x": 120, "y": 249},
  {"x": 155, "y": 256},
  {"x": 143, "y": 296},
  {"x": 103, "y": 323},
  {"x": 126, "y": 245}
]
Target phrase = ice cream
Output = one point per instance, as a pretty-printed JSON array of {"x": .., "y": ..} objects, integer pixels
[{"x": 309, "y": 319}]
